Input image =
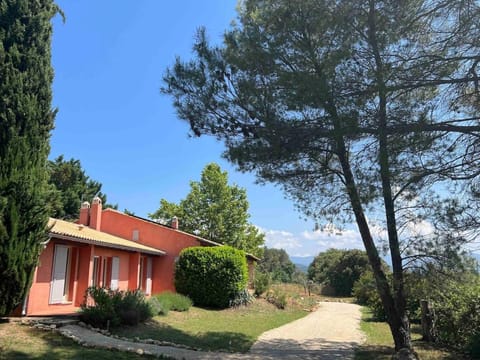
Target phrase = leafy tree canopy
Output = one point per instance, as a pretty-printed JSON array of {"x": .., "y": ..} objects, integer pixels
[
  {"x": 69, "y": 187},
  {"x": 216, "y": 211},
  {"x": 355, "y": 108},
  {"x": 277, "y": 263},
  {"x": 339, "y": 268}
]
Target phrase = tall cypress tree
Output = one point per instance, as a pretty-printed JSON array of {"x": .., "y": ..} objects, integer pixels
[{"x": 26, "y": 119}]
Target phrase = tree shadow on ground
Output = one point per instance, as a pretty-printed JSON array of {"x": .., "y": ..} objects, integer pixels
[
  {"x": 424, "y": 350},
  {"x": 373, "y": 352},
  {"x": 33, "y": 344},
  {"x": 317, "y": 348},
  {"x": 208, "y": 341},
  {"x": 374, "y": 320}
]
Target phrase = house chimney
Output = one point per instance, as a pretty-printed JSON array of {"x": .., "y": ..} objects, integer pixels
[
  {"x": 84, "y": 213},
  {"x": 175, "y": 223},
  {"x": 96, "y": 213}
]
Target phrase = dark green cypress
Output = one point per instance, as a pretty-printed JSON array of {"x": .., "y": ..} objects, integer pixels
[{"x": 26, "y": 120}]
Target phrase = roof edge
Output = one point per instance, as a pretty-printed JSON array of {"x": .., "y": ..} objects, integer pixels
[
  {"x": 211, "y": 242},
  {"x": 111, "y": 246}
]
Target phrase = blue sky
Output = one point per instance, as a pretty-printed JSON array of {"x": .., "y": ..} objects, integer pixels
[{"x": 109, "y": 58}]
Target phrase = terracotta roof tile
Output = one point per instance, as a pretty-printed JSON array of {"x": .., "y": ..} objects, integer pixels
[{"x": 80, "y": 233}]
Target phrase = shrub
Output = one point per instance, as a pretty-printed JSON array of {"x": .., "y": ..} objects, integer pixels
[
  {"x": 277, "y": 298},
  {"x": 243, "y": 298},
  {"x": 211, "y": 276},
  {"x": 365, "y": 291},
  {"x": 157, "y": 307},
  {"x": 454, "y": 291},
  {"x": 99, "y": 317},
  {"x": 102, "y": 314},
  {"x": 131, "y": 307},
  {"x": 262, "y": 283},
  {"x": 458, "y": 316},
  {"x": 113, "y": 308},
  {"x": 473, "y": 346},
  {"x": 173, "y": 301},
  {"x": 327, "y": 290}
]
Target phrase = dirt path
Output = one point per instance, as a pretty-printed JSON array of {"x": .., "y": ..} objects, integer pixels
[{"x": 330, "y": 333}]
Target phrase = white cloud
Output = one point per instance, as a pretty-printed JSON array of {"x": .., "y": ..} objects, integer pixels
[
  {"x": 281, "y": 239},
  {"x": 310, "y": 243},
  {"x": 422, "y": 228}
]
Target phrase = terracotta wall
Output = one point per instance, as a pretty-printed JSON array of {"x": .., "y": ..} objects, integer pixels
[
  {"x": 39, "y": 295},
  {"x": 149, "y": 233},
  {"x": 80, "y": 276}
]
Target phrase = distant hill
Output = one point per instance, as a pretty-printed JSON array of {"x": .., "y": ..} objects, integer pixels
[
  {"x": 302, "y": 260},
  {"x": 476, "y": 256},
  {"x": 301, "y": 267}
]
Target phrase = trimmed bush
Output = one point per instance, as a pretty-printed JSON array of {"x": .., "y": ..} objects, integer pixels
[
  {"x": 211, "y": 276},
  {"x": 113, "y": 308}
]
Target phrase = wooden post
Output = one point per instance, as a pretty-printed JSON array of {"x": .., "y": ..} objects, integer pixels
[{"x": 428, "y": 321}]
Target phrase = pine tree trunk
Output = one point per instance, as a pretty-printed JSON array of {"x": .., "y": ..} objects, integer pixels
[
  {"x": 428, "y": 321},
  {"x": 394, "y": 306}
]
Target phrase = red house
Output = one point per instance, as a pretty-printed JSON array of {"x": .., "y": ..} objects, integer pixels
[{"x": 106, "y": 248}]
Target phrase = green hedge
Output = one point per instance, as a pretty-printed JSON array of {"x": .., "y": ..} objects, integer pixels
[{"x": 211, "y": 276}]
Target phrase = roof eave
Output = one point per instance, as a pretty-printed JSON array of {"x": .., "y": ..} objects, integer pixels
[{"x": 99, "y": 243}]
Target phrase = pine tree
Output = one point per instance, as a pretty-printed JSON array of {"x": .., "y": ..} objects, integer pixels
[
  {"x": 358, "y": 109},
  {"x": 26, "y": 119}
]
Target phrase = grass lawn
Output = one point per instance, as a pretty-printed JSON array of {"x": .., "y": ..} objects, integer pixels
[
  {"x": 379, "y": 343},
  {"x": 232, "y": 330},
  {"x": 23, "y": 342}
]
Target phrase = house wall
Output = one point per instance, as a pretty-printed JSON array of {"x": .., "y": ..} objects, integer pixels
[
  {"x": 154, "y": 235},
  {"x": 81, "y": 269},
  {"x": 39, "y": 295}
]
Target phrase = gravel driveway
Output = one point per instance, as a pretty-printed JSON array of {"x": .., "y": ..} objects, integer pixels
[{"x": 329, "y": 333}]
